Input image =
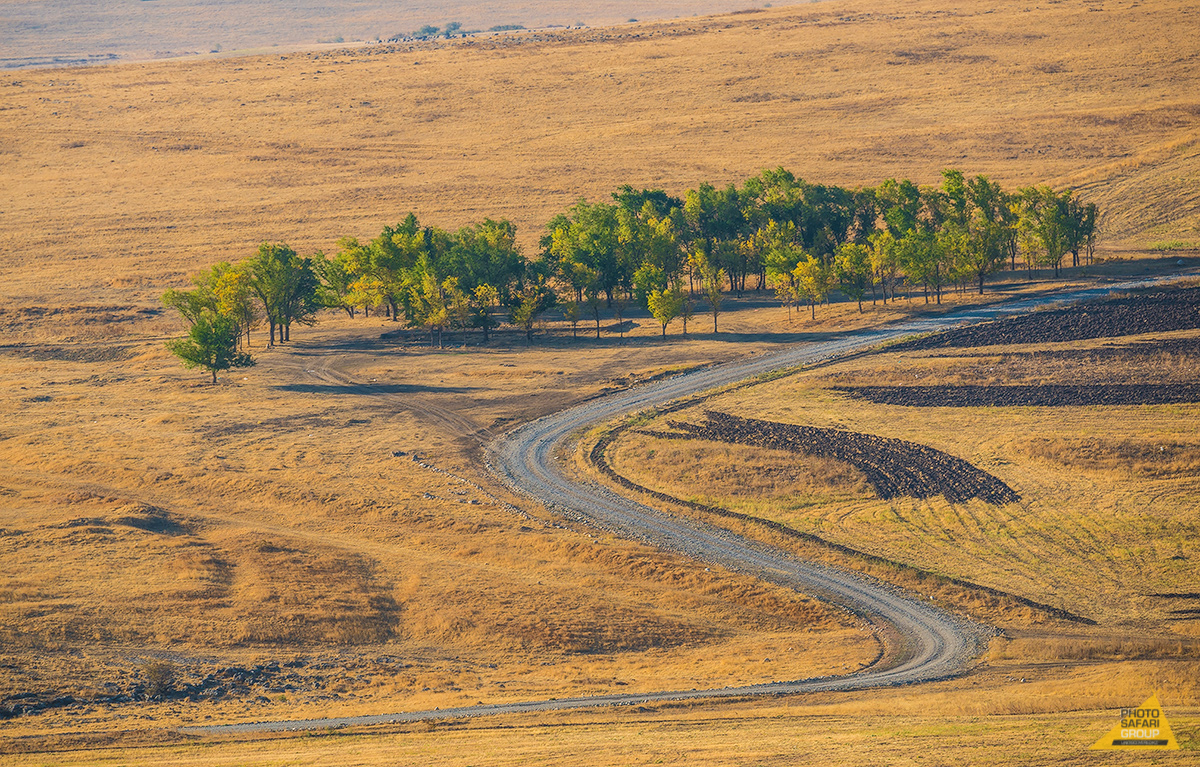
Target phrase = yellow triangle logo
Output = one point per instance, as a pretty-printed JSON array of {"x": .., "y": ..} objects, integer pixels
[{"x": 1143, "y": 729}]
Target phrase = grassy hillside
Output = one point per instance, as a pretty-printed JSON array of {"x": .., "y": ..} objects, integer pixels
[
  {"x": 142, "y": 173},
  {"x": 41, "y": 32}
]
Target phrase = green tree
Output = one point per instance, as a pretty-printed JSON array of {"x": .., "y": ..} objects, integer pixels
[
  {"x": 716, "y": 224},
  {"x": 813, "y": 281},
  {"x": 585, "y": 249},
  {"x": 1081, "y": 228},
  {"x": 231, "y": 286},
  {"x": 920, "y": 258},
  {"x": 665, "y": 306},
  {"x": 533, "y": 299},
  {"x": 430, "y": 308},
  {"x": 483, "y": 299},
  {"x": 223, "y": 289},
  {"x": 784, "y": 286},
  {"x": 649, "y": 239},
  {"x": 458, "y": 305},
  {"x": 338, "y": 276},
  {"x": 397, "y": 261},
  {"x": 1045, "y": 225},
  {"x": 191, "y": 304},
  {"x": 853, "y": 267},
  {"x": 885, "y": 263},
  {"x": 647, "y": 279},
  {"x": 990, "y": 227},
  {"x": 485, "y": 253},
  {"x": 572, "y": 311},
  {"x": 712, "y": 279},
  {"x": 287, "y": 286},
  {"x": 211, "y": 343}
]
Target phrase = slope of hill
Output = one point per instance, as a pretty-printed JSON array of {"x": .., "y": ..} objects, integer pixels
[
  {"x": 58, "y": 32},
  {"x": 148, "y": 171}
]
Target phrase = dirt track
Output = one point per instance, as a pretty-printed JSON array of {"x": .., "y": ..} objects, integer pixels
[
  {"x": 893, "y": 467},
  {"x": 924, "y": 642},
  {"x": 1048, "y": 395}
]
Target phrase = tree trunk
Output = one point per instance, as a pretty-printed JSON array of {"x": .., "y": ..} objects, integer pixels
[
  {"x": 214, "y": 372},
  {"x": 813, "y": 306},
  {"x": 271, "y": 323}
]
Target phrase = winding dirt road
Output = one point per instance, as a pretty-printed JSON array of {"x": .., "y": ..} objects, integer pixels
[{"x": 924, "y": 642}]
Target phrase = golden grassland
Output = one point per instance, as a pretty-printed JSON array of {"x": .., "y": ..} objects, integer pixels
[
  {"x": 35, "y": 31},
  {"x": 123, "y": 179},
  {"x": 145, "y": 515},
  {"x": 932, "y": 726}
]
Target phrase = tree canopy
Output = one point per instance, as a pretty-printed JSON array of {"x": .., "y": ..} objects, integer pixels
[{"x": 648, "y": 247}]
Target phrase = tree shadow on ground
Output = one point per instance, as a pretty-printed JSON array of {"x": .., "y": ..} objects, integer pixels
[{"x": 359, "y": 389}]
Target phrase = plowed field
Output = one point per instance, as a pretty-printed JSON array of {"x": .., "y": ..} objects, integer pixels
[
  {"x": 1157, "y": 312},
  {"x": 1051, "y": 395},
  {"x": 894, "y": 467}
]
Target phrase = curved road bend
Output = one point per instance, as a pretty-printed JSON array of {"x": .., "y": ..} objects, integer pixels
[{"x": 933, "y": 644}]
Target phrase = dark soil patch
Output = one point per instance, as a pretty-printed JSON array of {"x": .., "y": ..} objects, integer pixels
[
  {"x": 1048, "y": 395},
  {"x": 893, "y": 467},
  {"x": 1109, "y": 353},
  {"x": 1133, "y": 314}
]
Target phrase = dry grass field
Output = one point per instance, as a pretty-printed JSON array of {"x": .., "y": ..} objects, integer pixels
[
  {"x": 121, "y": 180},
  {"x": 317, "y": 534},
  {"x": 45, "y": 32}
]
